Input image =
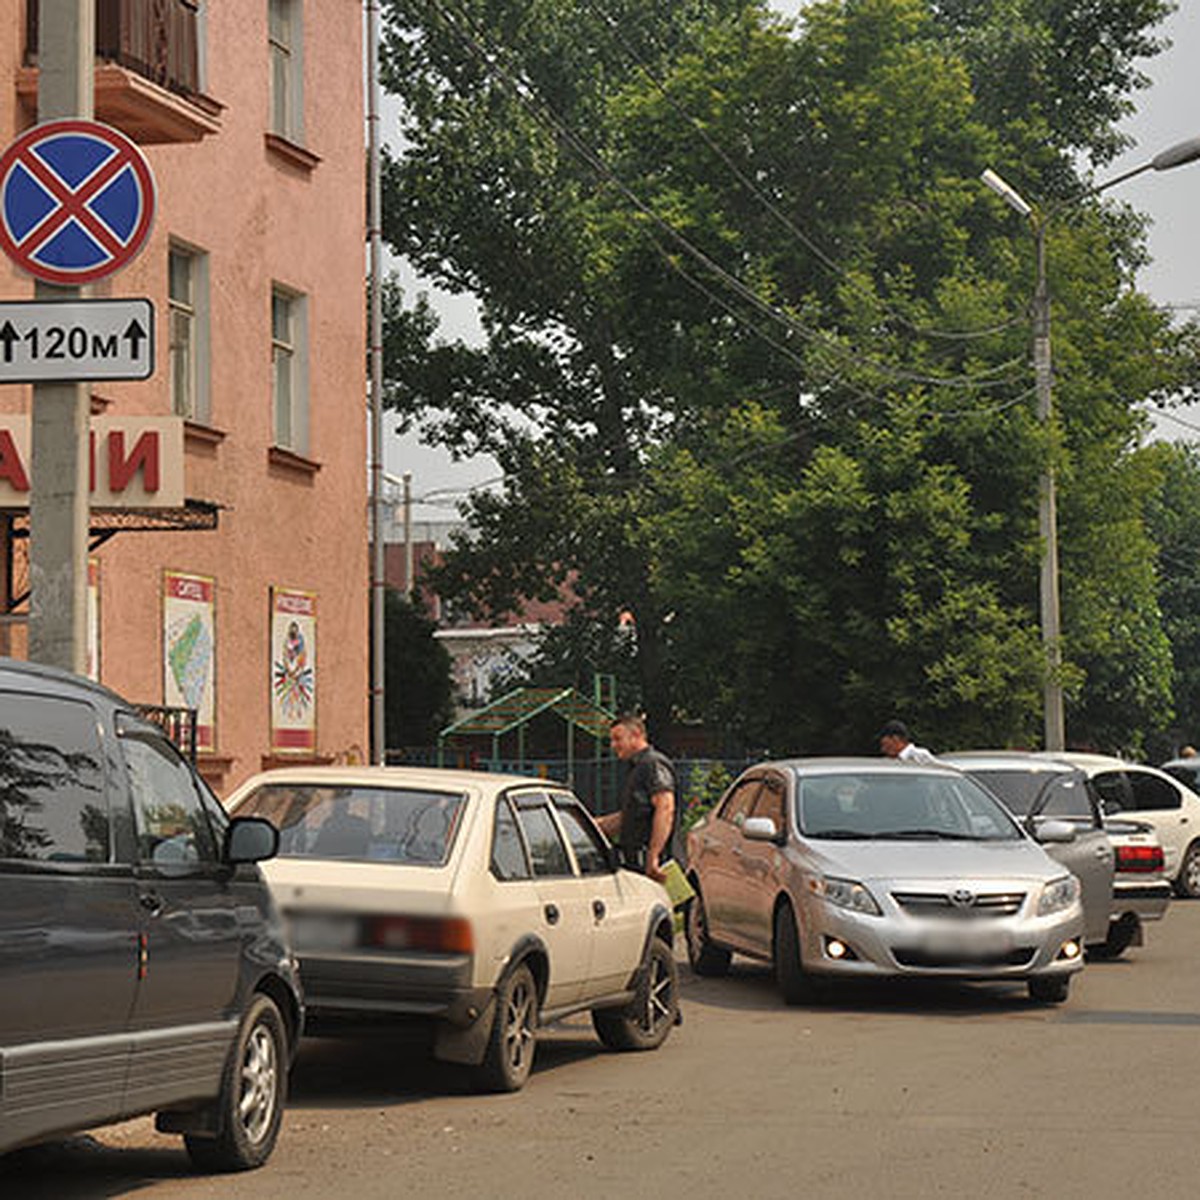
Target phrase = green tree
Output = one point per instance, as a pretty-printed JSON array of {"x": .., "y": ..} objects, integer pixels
[
  {"x": 418, "y": 686},
  {"x": 756, "y": 363}
]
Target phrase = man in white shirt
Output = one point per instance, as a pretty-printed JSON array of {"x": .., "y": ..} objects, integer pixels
[{"x": 895, "y": 742}]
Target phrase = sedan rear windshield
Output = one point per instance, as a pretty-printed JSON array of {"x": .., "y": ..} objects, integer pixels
[
  {"x": 901, "y": 805},
  {"x": 399, "y": 825}
]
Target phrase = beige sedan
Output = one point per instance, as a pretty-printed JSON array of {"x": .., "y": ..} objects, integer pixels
[{"x": 481, "y": 905}]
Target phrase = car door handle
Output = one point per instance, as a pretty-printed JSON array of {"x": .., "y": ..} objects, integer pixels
[
  {"x": 552, "y": 913},
  {"x": 152, "y": 902},
  {"x": 598, "y": 909}
]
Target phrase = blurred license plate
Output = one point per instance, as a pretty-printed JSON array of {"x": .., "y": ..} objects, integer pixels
[
  {"x": 968, "y": 941},
  {"x": 317, "y": 932}
]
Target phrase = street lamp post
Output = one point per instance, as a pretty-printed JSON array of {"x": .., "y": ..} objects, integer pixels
[{"x": 1048, "y": 591}]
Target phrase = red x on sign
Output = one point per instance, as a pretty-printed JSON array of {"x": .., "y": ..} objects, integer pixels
[{"x": 76, "y": 201}]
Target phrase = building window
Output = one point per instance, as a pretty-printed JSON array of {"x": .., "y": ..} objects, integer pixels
[
  {"x": 188, "y": 300},
  {"x": 287, "y": 74},
  {"x": 289, "y": 367}
]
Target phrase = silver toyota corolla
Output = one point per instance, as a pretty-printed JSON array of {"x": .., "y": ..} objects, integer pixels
[{"x": 872, "y": 867}]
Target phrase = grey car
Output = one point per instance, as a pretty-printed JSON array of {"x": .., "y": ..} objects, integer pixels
[
  {"x": 1112, "y": 858},
  {"x": 871, "y": 868},
  {"x": 142, "y": 962}
]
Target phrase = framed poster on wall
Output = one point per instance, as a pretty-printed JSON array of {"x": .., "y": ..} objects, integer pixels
[
  {"x": 293, "y": 672},
  {"x": 189, "y": 650}
]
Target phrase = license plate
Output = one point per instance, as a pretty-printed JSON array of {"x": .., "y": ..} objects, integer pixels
[
  {"x": 968, "y": 941},
  {"x": 321, "y": 932}
]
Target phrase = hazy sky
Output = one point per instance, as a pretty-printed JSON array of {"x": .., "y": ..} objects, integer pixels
[{"x": 1167, "y": 113}]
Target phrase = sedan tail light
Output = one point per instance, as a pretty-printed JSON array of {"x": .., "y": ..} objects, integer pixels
[
  {"x": 448, "y": 935},
  {"x": 1139, "y": 858}
]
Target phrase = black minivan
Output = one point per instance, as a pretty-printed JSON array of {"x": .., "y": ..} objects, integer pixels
[{"x": 143, "y": 967}]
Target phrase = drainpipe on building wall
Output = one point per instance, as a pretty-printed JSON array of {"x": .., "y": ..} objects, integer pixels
[{"x": 374, "y": 237}]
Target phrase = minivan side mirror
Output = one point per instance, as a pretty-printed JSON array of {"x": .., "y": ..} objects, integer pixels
[{"x": 250, "y": 839}]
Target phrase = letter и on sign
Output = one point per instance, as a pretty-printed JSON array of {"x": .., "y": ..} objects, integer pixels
[{"x": 60, "y": 340}]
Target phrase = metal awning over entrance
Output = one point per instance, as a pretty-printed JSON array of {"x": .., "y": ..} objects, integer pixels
[
  {"x": 103, "y": 524},
  {"x": 514, "y": 712}
]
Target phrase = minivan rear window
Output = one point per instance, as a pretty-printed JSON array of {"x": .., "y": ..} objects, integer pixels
[
  {"x": 401, "y": 825},
  {"x": 53, "y": 806}
]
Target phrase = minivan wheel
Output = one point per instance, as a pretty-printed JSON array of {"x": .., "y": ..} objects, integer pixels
[
  {"x": 1121, "y": 935},
  {"x": 250, "y": 1107},
  {"x": 705, "y": 957},
  {"x": 796, "y": 985},
  {"x": 1052, "y": 989},
  {"x": 508, "y": 1059},
  {"x": 1188, "y": 881},
  {"x": 645, "y": 1023}
]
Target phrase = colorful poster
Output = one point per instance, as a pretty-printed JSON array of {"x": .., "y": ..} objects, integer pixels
[
  {"x": 293, "y": 672},
  {"x": 189, "y": 650},
  {"x": 93, "y": 620}
]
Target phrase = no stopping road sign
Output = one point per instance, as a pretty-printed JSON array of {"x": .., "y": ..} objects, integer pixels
[{"x": 76, "y": 201}]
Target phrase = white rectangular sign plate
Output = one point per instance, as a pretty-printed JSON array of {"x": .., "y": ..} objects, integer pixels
[{"x": 56, "y": 341}]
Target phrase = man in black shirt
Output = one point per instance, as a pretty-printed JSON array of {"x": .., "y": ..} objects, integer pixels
[{"x": 644, "y": 824}]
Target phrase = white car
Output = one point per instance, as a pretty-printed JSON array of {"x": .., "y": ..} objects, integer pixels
[
  {"x": 483, "y": 905},
  {"x": 1153, "y": 797}
]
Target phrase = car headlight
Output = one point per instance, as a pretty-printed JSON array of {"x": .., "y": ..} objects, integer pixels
[
  {"x": 846, "y": 893},
  {"x": 1057, "y": 895}
]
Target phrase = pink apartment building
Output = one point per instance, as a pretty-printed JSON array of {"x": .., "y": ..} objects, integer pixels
[{"x": 250, "y": 602}]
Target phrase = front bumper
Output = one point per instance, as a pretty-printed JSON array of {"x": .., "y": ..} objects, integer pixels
[{"x": 893, "y": 945}]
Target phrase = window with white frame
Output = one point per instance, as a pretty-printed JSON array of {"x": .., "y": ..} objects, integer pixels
[
  {"x": 289, "y": 322},
  {"x": 187, "y": 291},
  {"x": 287, "y": 70}
]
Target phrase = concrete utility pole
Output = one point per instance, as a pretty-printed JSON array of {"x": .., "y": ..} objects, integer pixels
[{"x": 58, "y": 500}]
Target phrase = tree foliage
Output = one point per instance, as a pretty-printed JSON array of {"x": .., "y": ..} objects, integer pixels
[
  {"x": 756, "y": 354},
  {"x": 417, "y": 679}
]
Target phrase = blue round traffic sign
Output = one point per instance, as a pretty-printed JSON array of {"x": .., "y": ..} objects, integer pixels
[{"x": 76, "y": 201}]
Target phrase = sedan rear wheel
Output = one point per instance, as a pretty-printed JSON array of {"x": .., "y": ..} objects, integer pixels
[
  {"x": 509, "y": 1055},
  {"x": 705, "y": 957},
  {"x": 1188, "y": 881}
]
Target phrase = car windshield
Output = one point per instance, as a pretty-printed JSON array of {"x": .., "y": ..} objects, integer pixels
[
  {"x": 908, "y": 805},
  {"x": 356, "y": 822},
  {"x": 1025, "y": 792}
]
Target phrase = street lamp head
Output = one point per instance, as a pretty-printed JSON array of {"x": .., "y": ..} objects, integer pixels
[
  {"x": 1177, "y": 155},
  {"x": 1006, "y": 192}
]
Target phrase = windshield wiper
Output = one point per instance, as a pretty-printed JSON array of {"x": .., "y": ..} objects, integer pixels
[
  {"x": 939, "y": 835},
  {"x": 846, "y": 835}
]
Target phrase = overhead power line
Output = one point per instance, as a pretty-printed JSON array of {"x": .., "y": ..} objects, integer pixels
[{"x": 528, "y": 96}]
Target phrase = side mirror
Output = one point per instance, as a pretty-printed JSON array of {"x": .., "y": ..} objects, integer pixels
[
  {"x": 1054, "y": 832},
  {"x": 250, "y": 839},
  {"x": 760, "y": 829}
]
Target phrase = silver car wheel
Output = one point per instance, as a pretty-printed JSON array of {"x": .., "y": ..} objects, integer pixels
[
  {"x": 518, "y": 1026},
  {"x": 260, "y": 1067}
]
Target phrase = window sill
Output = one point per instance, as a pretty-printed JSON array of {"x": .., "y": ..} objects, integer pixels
[
  {"x": 198, "y": 436},
  {"x": 291, "y": 153},
  {"x": 303, "y": 759},
  {"x": 289, "y": 462}
]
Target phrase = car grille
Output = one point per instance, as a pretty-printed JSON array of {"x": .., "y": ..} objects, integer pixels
[
  {"x": 941, "y": 904},
  {"x": 1020, "y": 956}
]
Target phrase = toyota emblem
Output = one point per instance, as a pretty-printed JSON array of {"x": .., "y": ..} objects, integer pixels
[{"x": 962, "y": 898}]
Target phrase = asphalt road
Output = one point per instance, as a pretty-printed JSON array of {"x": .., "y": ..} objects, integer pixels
[{"x": 962, "y": 1091}]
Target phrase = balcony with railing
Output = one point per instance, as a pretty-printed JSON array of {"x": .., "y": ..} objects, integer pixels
[{"x": 147, "y": 80}]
